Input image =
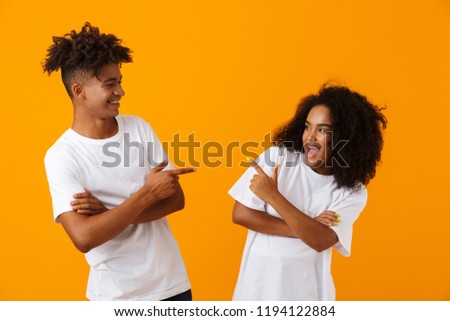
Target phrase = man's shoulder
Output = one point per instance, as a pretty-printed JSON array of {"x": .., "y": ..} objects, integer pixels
[
  {"x": 61, "y": 148},
  {"x": 130, "y": 122},
  {"x": 131, "y": 119}
]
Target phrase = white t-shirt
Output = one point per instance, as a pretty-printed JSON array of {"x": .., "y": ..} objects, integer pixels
[
  {"x": 283, "y": 268},
  {"x": 143, "y": 262}
]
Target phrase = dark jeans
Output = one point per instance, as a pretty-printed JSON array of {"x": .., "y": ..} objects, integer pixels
[{"x": 185, "y": 296}]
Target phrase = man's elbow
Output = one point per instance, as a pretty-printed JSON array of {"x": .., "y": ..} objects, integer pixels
[
  {"x": 179, "y": 200},
  {"x": 180, "y": 203},
  {"x": 83, "y": 248},
  {"x": 83, "y": 244}
]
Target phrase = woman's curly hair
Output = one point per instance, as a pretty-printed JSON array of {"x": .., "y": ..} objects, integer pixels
[
  {"x": 81, "y": 55},
  {"x": 355, "y": 120}
]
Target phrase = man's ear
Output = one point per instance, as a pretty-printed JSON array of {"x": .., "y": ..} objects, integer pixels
[{"x": 77, "y": 90}]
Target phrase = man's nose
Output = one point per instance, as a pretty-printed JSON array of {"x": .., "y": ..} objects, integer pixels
[{"x": 119, "y": 91}]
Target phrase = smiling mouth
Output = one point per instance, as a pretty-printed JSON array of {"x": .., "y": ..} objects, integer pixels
[{"x": 114, "y": 102}]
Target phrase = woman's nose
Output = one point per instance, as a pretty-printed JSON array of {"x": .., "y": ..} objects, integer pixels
[{"x": 312, "y": 136}]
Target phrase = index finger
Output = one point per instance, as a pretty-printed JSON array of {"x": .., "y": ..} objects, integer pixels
[
  {"x": 258, "y": 168},
  {"x": 81, "y": 195},
  {"x": 181, "y": 171}
]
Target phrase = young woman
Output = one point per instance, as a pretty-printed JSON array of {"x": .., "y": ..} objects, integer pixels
[{"x": 301, "y": 197}]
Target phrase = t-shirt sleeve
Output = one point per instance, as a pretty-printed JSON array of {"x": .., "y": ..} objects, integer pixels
[
  {"x": 348, "y": 210},
  {"x": 156, "y": 152},
  {"x": 63, "y": 180},
  {"x": 241, "y": 189}
]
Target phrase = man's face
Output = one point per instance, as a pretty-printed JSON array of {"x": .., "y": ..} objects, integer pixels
[{"x": 102, "y": 94}]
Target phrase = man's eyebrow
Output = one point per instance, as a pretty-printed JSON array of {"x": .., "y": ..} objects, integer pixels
[{"x": 112, "y": 79}]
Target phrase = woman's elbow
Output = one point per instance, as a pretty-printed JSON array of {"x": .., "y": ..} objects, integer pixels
[
  {"x": 236, "y": 217},
  {"x": 323, "y": 246},
  {"x": 240, "y": 214},
  {"x": 320, "y": 249}
]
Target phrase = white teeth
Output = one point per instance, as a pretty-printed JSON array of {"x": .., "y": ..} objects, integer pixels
[{"x": 114, "y": 102}]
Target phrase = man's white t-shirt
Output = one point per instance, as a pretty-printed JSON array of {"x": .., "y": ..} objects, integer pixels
[
  {"x": 143, "y": 262},
  {"x": 282, "y": 268}
]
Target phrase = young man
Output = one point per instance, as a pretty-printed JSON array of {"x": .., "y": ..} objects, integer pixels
[{"x": 119, "y": 159}]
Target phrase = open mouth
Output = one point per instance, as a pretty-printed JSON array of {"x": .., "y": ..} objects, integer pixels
[
  {"x": 114, "y": 102},
  {"x": 312, "y": 150}
]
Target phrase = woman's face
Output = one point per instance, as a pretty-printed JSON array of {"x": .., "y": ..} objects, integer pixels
[{"x": 317, "y": 139}]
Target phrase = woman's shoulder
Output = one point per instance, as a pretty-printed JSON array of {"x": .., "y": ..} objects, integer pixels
[
  {"x": 275, "y": 155},
  {"x": 357, "y": 192}
]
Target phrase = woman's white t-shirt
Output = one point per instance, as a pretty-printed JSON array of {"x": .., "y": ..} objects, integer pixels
[
  {"x": 143, "y": 262},
  {"x": 283, "y": 268}
]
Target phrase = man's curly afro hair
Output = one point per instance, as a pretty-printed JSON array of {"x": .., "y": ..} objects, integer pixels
[
  {"x": 355, "y": 120},
  {"x": 81, "y": 55}
]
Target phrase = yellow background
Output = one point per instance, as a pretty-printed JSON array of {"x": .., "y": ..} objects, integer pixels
[{"x": 235, "y": 70}]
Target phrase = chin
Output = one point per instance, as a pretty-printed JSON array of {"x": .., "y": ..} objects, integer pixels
[{"x": 315, "y": 164}]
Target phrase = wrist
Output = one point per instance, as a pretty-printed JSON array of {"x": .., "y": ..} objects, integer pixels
[
  {"x": 146, "y": 196},
  {"x": 275, "y": 198}
]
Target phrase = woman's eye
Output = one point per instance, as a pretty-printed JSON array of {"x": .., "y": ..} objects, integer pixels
[{"x": 324, "y": 131}]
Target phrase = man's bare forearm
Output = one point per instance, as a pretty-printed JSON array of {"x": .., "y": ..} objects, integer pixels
[
  {"x": 162, "y": 208},
  {"x": 88, "y": 232}
]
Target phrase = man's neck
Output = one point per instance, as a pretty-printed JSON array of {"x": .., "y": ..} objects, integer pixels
[{"x": 95, "y": 128}]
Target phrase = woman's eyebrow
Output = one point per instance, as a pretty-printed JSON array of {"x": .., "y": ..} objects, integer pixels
[{"x": 321, "y": 124}]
